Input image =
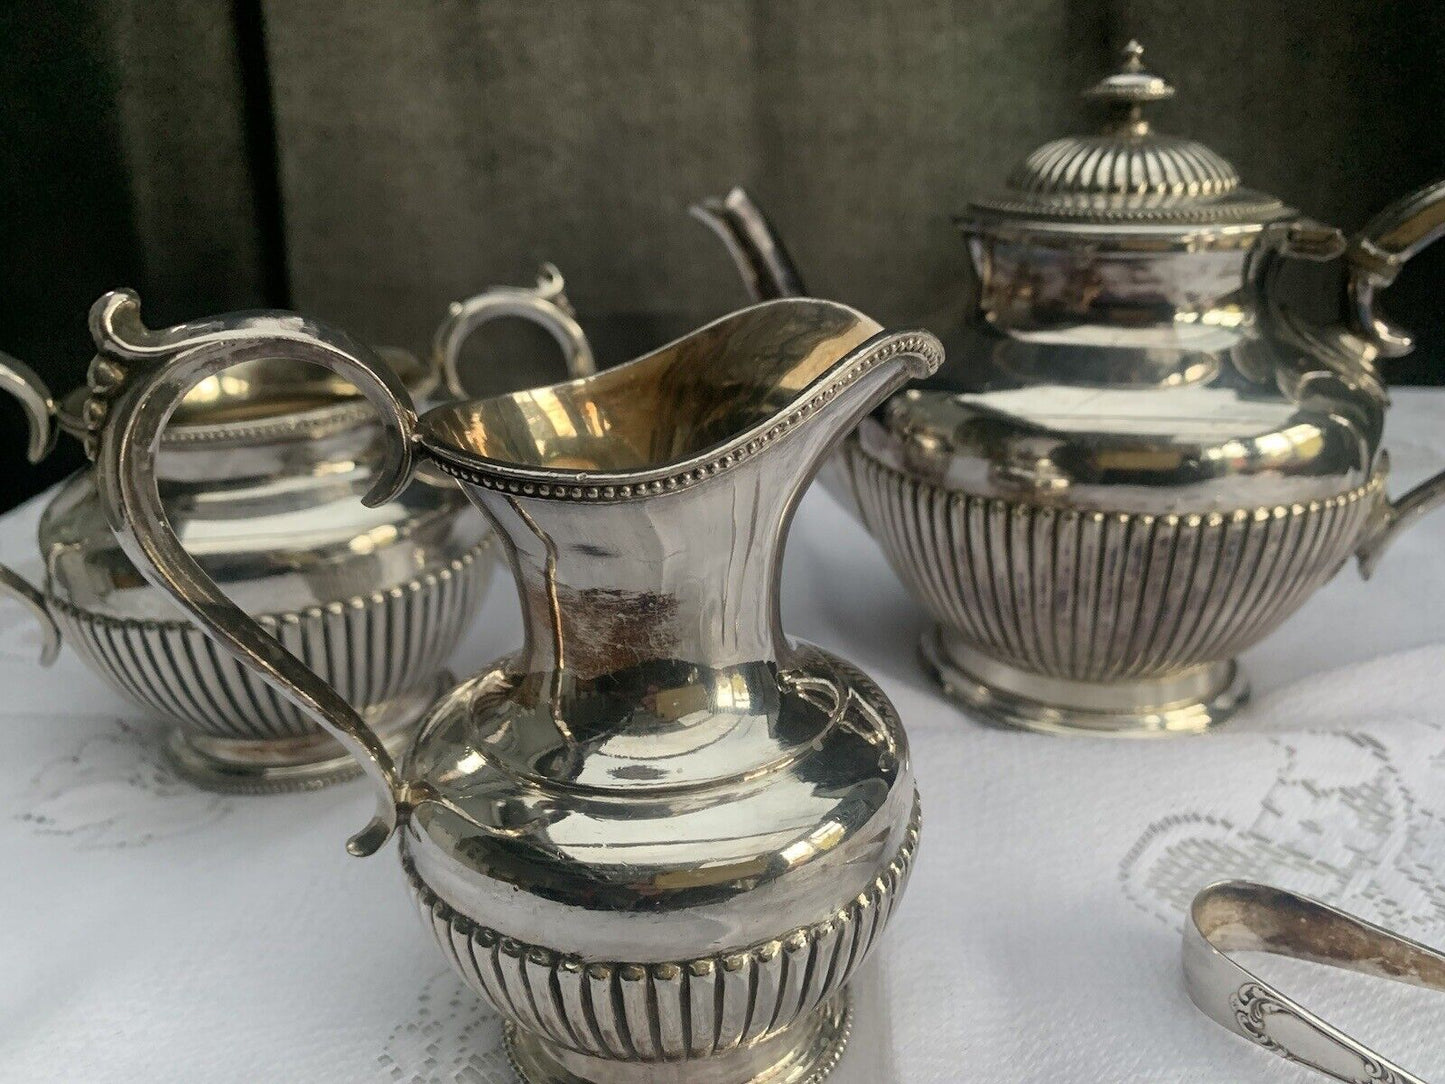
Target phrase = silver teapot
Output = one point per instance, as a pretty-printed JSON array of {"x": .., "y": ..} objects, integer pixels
[
  {"x": 660, "y": 837},
  {"x": 1158, "y": 434},
  {"x": 260, "y": 472}
]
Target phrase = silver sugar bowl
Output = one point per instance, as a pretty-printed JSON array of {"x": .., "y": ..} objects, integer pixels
[
  {"x": 1160, "y": 432},
  {"x": 660, "y": 837},
  {"x": 260, "y": 471}
]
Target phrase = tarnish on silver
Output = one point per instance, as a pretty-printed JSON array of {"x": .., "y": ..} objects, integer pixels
[
  {"x": 20, "y": 380},
  {"x": 1238, "y": 916},
  {"x": 660, "y": 836},
  {"x": 1160, "y": 429},
  {"x": 546, "y": 305}
]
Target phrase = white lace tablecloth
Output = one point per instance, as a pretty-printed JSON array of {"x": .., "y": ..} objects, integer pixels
[{"x": 150, "y": 931}]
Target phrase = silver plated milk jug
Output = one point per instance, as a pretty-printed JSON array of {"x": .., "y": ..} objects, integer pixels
[
  {"x": 660, "y": 837},
  {"x": 260, "y": 470},
  {"x": 1158, "y": 434}
]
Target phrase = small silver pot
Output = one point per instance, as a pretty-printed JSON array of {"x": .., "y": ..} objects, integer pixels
[{"x": 261, "y": 470}]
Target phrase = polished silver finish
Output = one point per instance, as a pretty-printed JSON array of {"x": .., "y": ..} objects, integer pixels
[
  {"x": 1124, "y": 617},
  {"x": 546, "y": 305},
  {"x": 1129, "y": 173},
  {"x": 260, "y": 472},
  {"x": 1237, "y": 916},
  {"x": 660, "y": 837},
  {"x": 1160, "y": 431}
]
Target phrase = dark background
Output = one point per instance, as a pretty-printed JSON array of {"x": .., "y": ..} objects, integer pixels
[{"x": 369, "y": 162}]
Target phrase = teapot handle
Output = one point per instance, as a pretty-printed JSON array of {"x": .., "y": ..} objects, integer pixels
[
  {"x": 1375, "y": 256},
  {"x": 20, "y": 381},
  {"x": 546, "y": 305},
  {"x": 137, "y": 380},
  {"x": 1378, "y": 252}
]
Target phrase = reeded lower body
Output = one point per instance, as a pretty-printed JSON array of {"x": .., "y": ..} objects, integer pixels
[
  {"x": 230, "y": 731},
  {"x": 701, "y": 943},
  {"x": 1062, "y": 620}
]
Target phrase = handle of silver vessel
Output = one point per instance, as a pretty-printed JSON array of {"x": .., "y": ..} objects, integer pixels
[
  {"x": 1378, "y": 252},
  {"x": 1375, "y": 257},
  {"x": 546, "y": 304},
  {"x": 137, "y": 380},
  {"x": 20, "y": 380}
]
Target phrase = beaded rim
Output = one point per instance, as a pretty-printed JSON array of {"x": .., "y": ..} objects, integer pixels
[{"x": 574, "y": 485}]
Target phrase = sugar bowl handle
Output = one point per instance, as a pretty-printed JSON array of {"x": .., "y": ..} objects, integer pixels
[
  {"x": 17, "y": 378},
  {"x": 546, "y": 305},
  {"x": 137, "y": 380}
]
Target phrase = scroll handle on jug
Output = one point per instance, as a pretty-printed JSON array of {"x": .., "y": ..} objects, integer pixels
[{"x": 138, "y": 379}]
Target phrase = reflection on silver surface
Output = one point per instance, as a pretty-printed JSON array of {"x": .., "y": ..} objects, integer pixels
[
  {"x": 660, "y": 837},
  {"x": 1159, "y": 432},
  {"x": 260, "y": 473}
]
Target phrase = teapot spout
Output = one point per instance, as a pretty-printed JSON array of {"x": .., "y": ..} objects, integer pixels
[
  {"x": 754, "y": 245},
  {"x": 768, "y": 272}
]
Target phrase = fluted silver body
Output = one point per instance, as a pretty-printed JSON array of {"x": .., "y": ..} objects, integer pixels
[
  {"x": 673, "y": 1010},
  {"x": 261, "y": 474},
  {"x": 385, "y": 650},
  {"x": 1160, "y": 427},
  {"x": 1102, "y": 597},
  {"x": 660, "y": 836}
]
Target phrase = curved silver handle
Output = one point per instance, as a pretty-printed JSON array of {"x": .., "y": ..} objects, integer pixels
[
  {"x": 1394, "y": 516},
  {"x": 1378, "y": 252},
  {"x": 546, "y": 304},
  {"x": 138, "y": 379},
  {"x": 20, "y": 381},
  {"x": 1375, "y": 256}
]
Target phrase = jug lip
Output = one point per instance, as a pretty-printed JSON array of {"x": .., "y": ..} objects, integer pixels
[
  {"x": 578, "y": 484},
  {"x": 336, "y": 411}
]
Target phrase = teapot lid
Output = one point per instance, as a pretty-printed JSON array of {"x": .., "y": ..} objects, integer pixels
[{"x": 1129, "y": 174}]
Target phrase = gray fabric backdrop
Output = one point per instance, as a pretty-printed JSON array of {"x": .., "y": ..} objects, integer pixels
[{"x": 369, "y": 162}]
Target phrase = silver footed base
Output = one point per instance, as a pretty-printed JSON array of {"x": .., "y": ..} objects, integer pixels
[
  {"x": 804, "y": 1053},
  {"x": 281, "y": 765},
  {"x": 1187, "y": 702}
]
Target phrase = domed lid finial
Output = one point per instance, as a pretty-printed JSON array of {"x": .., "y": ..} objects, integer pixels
[
  {"x": 1128, "y": 89},
  {"x": 1129, "y": 173}
]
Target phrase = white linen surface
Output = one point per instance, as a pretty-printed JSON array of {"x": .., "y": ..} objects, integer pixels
[{"x": 150, "y": 931}]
